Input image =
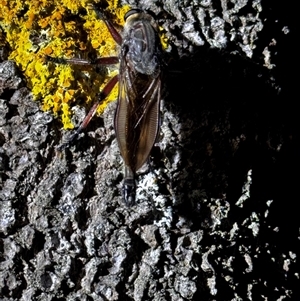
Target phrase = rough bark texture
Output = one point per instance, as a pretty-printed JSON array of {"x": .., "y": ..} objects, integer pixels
[{"x": 216, "y": 214}]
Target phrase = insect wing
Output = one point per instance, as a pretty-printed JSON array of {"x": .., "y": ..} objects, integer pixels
[{"x": 137, "y": 114}]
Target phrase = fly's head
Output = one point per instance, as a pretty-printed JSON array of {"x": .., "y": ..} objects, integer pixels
[{"x": 141, "y": 44}]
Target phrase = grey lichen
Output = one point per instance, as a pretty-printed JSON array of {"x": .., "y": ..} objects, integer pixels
[{"x": 215, "y": 210}]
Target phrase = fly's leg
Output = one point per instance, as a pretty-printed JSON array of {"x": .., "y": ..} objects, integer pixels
[
  {"x": 82, "y": 62},
  {"x": 102, "y": 95},
  {"x": 129, "y": 187},
  {"x": 98, "y": 61},
  {"x": 114, "y": 33}
]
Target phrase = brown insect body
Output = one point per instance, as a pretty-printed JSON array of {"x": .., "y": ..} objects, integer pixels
[{"x": 137, "y": 113}]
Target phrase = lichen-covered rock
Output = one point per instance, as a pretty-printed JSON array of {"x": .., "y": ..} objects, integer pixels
[{"x": 216, "y": 213}]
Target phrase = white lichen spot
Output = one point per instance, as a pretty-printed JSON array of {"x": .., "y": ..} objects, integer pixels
[
  {"x": 245, "y": 190},
  {"x": 286, "y": 264},
  {"x": 285, "y": 30},
  {"x": 249, "y": 262},
  {"x": 267, "y": 58}
]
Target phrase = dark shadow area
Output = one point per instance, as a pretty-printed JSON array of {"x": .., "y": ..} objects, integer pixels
[{"x": 244, "y": 117}]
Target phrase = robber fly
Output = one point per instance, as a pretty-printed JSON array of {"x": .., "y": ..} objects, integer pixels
[{"x": 137, "y": 113}]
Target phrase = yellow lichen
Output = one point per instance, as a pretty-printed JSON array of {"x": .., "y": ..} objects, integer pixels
[
  {"x": 35, "y": 29},
  {"x": 163, "y": 39}
]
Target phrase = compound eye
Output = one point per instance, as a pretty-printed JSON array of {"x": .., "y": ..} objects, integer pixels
[{"x": 131, "y": 12}]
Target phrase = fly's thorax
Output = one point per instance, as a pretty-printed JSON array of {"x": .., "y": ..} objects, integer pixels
[{"x": 141, "y": 43}]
